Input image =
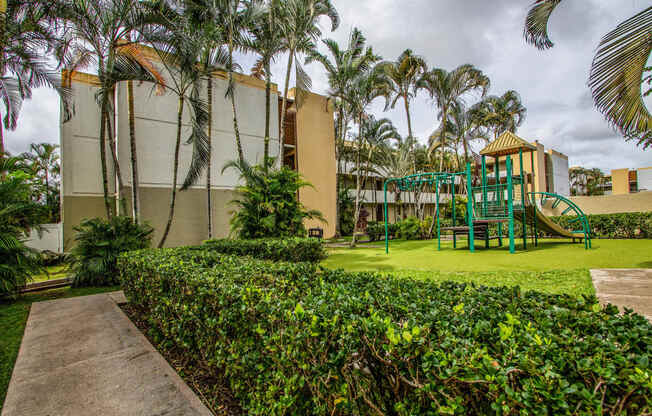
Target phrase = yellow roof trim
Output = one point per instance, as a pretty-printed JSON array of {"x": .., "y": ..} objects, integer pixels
[{"x": 507, "y": 144}]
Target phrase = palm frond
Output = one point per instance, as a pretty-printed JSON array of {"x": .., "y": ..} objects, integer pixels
[
  {"x": 536, "y": 23},
  {"x": 617, "y": 73}
]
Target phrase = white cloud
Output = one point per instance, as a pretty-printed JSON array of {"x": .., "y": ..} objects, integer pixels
[{"x": 448, "y": 33}]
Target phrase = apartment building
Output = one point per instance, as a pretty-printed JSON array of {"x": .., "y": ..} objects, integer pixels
[
  {"x": 309, "y": 148},
  {"x": 629, "y": 181},
  {"x": 550, "y": 169}
]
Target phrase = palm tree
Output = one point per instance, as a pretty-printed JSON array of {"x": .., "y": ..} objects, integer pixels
[
  {"x": 180, "y": 47},
  {"x": 27, "y": 31},
  {"x": 366, "y": 87},
  {"x": 447, "y": 90},
  {"x": 401, "y": 78},
  {"x": 300, "y": 30},
  {"x": 396, "y": 162},
  {"x": 101, "y": 31},
  {"x": 44, "y": 159},
  {"x": 341, "y": 70},
  {"x": 268, "y": 43},
  {"x": 617, "y": 71},
  {"x": 500, "y": 113}
]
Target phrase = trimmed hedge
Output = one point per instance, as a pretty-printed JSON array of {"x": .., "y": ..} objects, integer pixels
[
  {"x": 625, "y": 225},
  {"x": 299, "y": 339},
  {"x": 276, "y": 249}
]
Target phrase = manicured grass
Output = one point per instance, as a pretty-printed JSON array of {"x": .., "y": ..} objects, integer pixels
[
  {"x": 13, "y": 317},
  {"x": 53, "y": 272},
  {"x": 555, "y": 266}
]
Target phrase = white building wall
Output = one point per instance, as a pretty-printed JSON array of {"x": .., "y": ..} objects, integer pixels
[
  {"x": 51, "y": 238},
  {"x": 156, "y": 127},
  {"x": 561, "y": 181},
  {"x": 644, "y": 179}
]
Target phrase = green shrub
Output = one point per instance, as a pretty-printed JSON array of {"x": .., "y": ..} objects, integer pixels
[
  {"x": 267, "y": 203},
  {"x": 409, "y": 229},
  {"x": 376, "y": 230},
  {"x": 276, "y": 249},
  {"x": 624, "y": 225},
  {"x": 99, "y": 243},
  {"x": 19, "y": 214},
  {"x": 294, "y": 338}
]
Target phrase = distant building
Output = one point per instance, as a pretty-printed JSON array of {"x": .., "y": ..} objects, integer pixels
[
  {"x": 626, "y": 181},
  {"x": 550, "y": 169}
]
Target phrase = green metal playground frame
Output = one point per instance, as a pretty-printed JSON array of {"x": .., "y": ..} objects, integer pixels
[{"x": 495, "y": 203}]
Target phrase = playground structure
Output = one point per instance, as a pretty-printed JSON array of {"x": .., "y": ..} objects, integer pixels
[{"x": 500, "y": 200}]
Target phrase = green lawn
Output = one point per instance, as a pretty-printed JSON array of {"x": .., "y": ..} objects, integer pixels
[
  {"x": 13, "y": 317},
  {"x": 555, "y": 266},
  {"x": 53, "y": 272}
]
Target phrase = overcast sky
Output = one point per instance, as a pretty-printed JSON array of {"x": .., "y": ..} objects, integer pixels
[{"x": 448, "y": 33}]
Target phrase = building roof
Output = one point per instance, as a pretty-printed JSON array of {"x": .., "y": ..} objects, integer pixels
[{"x": 507, "y": 144}]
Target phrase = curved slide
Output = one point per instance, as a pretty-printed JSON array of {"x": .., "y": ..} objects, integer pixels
[{"x": 546, "y": 225}]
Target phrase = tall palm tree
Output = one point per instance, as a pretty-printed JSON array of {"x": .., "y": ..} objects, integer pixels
[
  {"x": 100, "y": 30},
  {"x": 617, "y": 70},
  {"x": 27, "y": 30},
  {"x": 180, "y": 47},
  {"x": 365, "y": 88},
  {"x": 500, "y": 113},
  {"x": 268, "y": 43},
  {"x": 300, "y": 30},
  {"x": 401, "y": 78},
  {"x": 448, "y": 88},
  {"x": 396, "y": 162},
  {"x": 341, "y": 69}
]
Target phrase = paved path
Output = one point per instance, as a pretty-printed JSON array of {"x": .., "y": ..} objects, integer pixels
[
  {"x": 82, "y": 356},
  {"x": 625, "y": 287}
]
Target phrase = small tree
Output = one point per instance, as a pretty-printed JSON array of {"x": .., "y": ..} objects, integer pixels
[{"x": 268, "y": 205}]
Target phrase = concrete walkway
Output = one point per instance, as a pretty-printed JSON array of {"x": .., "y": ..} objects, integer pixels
[
  {"x": 631, "y": 288},
  {"x": 83, "y": 356}
]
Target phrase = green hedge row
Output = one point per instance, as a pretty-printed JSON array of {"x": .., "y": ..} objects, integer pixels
[
  {"x": 625, "y": 225},
  {"x": 276, "y": 249},
  {"x": 294, "y": 338}
]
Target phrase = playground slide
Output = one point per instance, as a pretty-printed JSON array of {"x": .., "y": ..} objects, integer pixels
[{"x": 548, "y": 226}]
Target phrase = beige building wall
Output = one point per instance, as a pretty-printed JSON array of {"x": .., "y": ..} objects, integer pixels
[
  {"x": 615, "y": 203},
  {"x": 316, "y": 159},
  {"x": 155, "y": 114},
  {"x": 620, "y": 181}
]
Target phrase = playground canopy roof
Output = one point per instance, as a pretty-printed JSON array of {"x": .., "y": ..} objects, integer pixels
[{"x": 507, "y": 144}]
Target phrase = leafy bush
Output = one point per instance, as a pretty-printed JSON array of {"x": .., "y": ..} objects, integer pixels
[
  {"x": 276, "y": 249},
  {"x": 409, "y": 229},
  {"x": 268, "y": 205},
  {"x": 19, "y": 213},
  {"x": 624, "y": 225},
  {"x": 99, "y": 243},
  {"x": 347, "y": 206},
  {"x": 376, "y": 230},
  {"x": 294, "y": 338}
]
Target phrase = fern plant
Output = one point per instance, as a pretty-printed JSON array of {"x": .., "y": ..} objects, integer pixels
[
  {"x": 99, "y": 243},
  {"x": 268, "y": 203},
  {"x": 18, "y": 215}
]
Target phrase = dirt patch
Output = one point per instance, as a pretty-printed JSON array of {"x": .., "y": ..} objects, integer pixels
[{"x": 213, "y": 390}]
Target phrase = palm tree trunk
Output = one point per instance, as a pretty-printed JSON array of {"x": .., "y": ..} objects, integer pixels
[
  {"x": 338, "y": 228},
  {"x": 116, "y": 163},
  {"x": 105, "y": 180},
  {"x": 2, "y": 142},
  {"x": 358, "y": 182},
  {"x": 135, "y": 183},
  {"x": 442, "y": 137},
  {"x": 236, "y": 129},
  {"x": 175, "y": 171},
  {"x": 209, "y": 206},
  {"x": 284, "y": 107},
  {"x": 268, "y": 99}
]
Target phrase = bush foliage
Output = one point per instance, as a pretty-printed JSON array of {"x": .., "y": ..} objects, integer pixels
[
  {"x": 99, "y": 243},
  {"x": 267, "y": 203},
  {"x": 276, "y": 249},
  {"x": 624, "y": 225},
  {"x": 294, "y": 338}
]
